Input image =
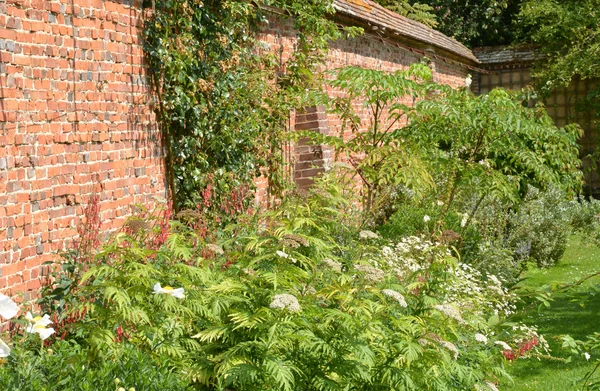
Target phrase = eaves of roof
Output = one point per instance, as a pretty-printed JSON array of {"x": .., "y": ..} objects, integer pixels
[
  {"x": 504, "y": 55},
  {"x": 393, "y": 25}
]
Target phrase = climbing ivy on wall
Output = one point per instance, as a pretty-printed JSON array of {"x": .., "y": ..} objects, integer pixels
[{"x": 223, "y": 99}]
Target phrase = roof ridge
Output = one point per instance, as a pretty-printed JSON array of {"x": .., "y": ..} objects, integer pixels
[{"x": 371, "y": 12}]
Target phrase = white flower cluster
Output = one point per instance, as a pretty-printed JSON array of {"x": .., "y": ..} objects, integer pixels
[
  {"x": 450, "y": 311},
  {"x": 481, "y": 338},
  {"x": 366, "y": 234},
  {"x": 504, "y": 345},
  {"x": 410, "y": 255},
  {"x": 396, "y": 296},
  {"x": 371, "y": 273},
  {"x": 308, "y": 290},
  {"x": 451, "y": 347},
  {"x": 285, "y": 255},
  {"x": 333, "y": 265},
  {"x": 486, "y": 386},
  {"x": 285, "y": 301},
  {"x": 483, "y": 294}
]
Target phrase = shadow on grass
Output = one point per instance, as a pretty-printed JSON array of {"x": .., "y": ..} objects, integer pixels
[{"x": 573, "y": 313}]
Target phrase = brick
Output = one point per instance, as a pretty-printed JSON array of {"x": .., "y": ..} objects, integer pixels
[{"x": 73, "y": 71}]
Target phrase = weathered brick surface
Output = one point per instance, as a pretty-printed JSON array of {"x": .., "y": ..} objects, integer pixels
[
  {"x": 76, "y": 119},
  {"x": 370, "y": 51}
]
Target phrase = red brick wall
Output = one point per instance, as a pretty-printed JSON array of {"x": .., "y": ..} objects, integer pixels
[
  {"x": 76, "y": 119},
  {"x": 367, "y": 51}
]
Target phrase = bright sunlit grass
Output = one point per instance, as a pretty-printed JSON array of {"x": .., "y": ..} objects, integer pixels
[{"x": 576, "y": 313}]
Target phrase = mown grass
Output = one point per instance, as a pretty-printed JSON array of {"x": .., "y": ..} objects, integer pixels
[{"x": 575, "y": 312}]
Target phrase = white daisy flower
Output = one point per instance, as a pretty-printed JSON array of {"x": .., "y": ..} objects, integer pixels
[
  {"x": 4, "y": 349},
  {"x": 175, "y": 292},
  {"x": 8, "y": 308},
  {"x": 586, "y": 355},
  {"x": 38, "y": 325},
  {"x": 426, "y": 218}
]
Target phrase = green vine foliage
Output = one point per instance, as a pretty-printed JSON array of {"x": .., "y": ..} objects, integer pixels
[{"x": 223, "y": 102}]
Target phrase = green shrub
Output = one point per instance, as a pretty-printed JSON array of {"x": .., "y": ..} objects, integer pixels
[
  {"x": 585, "y": 218},
  {"x": 538, "y": 229},
  {"x": 299, "y": 302},
  {"x": 68, "y": 366}
]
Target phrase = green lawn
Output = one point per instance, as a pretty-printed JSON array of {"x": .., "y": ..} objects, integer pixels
[{"x": 576, "y": 313}]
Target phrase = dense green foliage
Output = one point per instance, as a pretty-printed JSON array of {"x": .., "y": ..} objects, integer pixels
[
  {"x": 567, "y": 34},
  {"x": 376, "y": 151},
  {"x": 465, "y": 190},
  {"x": 473, "y": 23},
  {"x": 420, "y": 12},
  {"x": 67, "y": 366},
  {"x": 295, "y": 302},
  {"x": 223, "y": 101},
  {"x": 494, "y": 144}
]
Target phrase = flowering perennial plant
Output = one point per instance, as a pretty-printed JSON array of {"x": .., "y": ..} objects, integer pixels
[
  {"x": 39, "y": 325},
  {"x": 285, "y": 301},
  {"x": 396, "y": 296}
]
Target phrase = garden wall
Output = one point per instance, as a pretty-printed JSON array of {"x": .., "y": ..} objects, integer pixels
[
  {"x": 76, "y": 118},
  {"x": 390, "y": 43}
]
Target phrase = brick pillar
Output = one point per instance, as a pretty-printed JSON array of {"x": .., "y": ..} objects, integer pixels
[{"x": 311, "y": 159}]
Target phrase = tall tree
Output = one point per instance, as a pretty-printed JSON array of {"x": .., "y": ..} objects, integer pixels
[
  {"x": 475, "y": 22},
  {"x": 416, "y": 11},
  {"x": 568, "y": 33}
]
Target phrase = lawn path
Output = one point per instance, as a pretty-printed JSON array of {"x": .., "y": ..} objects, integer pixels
[{"x": 576, "y": 313}]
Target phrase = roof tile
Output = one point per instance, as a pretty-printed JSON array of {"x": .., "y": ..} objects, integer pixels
[{"x": 374, "y": 14}]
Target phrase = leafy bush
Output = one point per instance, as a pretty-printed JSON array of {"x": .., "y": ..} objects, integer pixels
[
  {"x": 298, "y": 302},
  {"x": 511, "y": 235},
  {"x": 538, "y": 229},
  {"x": 68, "y": 366},
  {"x": 585, "y": 218}
]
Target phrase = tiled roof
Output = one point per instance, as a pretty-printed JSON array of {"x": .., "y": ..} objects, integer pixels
[
  {"x": 384, "y": 19},
  {"x": 506, "y": 55}
]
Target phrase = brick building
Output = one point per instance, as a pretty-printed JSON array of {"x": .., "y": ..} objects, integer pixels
[{"x": 76, "y": 116}]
